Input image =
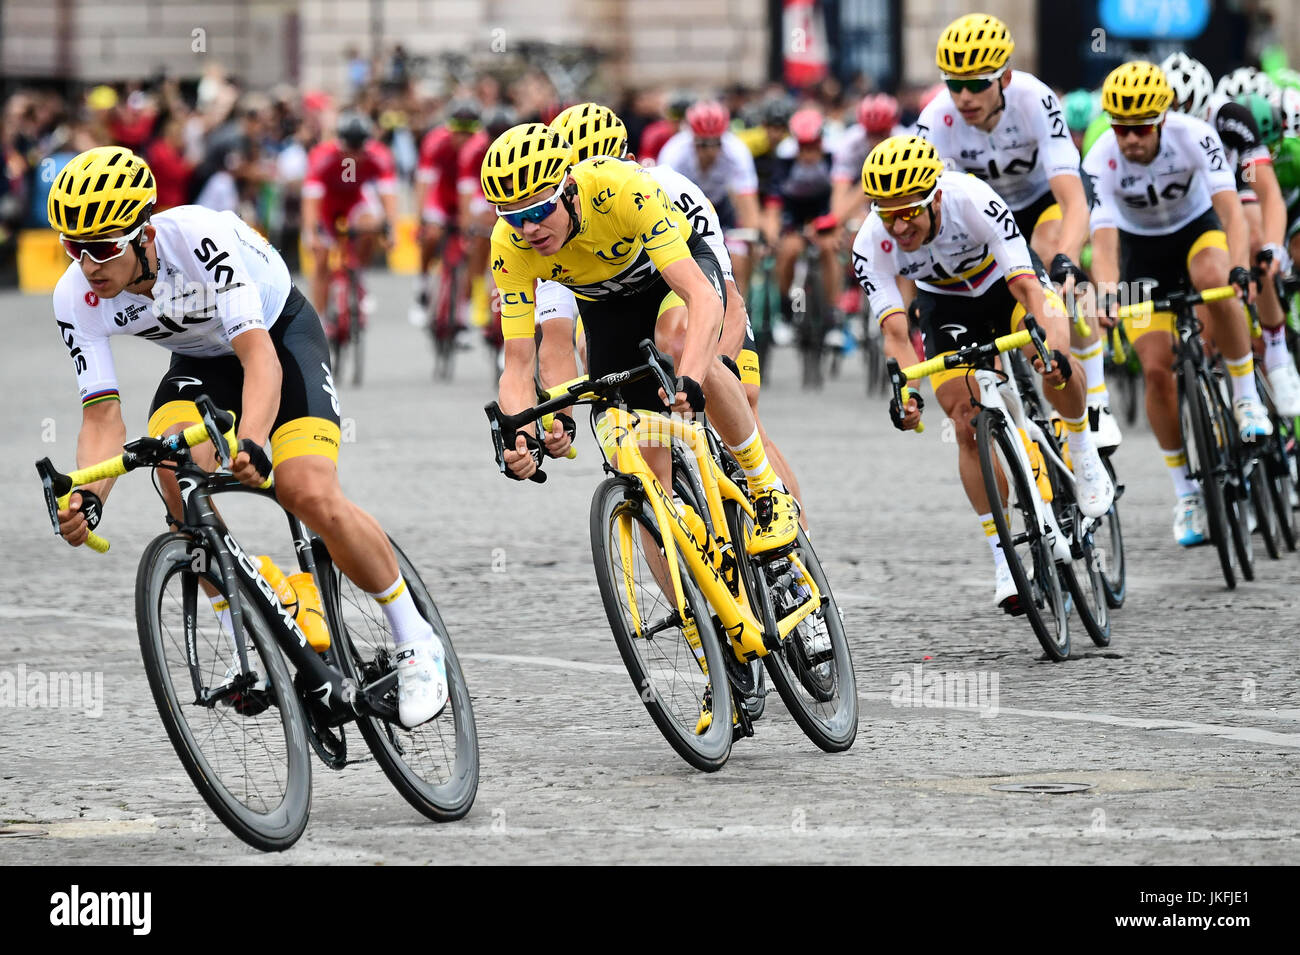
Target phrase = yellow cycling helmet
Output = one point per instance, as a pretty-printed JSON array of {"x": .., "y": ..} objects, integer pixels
[
  {"x": 974, "y": 44},
  {"x": 524, "y": 161},
  {"x": 901, "y": 166},
  {"x": 102, "y": 190},
  {"x": 1136, "y": 90},
  {"x": 592, "y": 130}
]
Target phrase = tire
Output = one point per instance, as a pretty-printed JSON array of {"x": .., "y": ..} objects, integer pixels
[
  {"x": 435, "y": 765},
  {"x": 1205, "y": 451},
  {"x": 1110, "y": 536},
  {"x": 1040, "y": 597},
  {"x": 821, "y": 696},
  {"x": 812, "y": 330},
  {"x": 1083, "y": 576},
  {"x": 1261, "y": 501},
  {"x": 1277, "y": 476},
  {"x": 265, "y": 804},
  {"x": 1236, "y": 492},
  {"x": 664, "y": 668}
]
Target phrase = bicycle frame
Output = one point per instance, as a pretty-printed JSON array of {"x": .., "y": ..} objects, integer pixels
[
  {"x": 620, "y": 433},
  {"x": 213, "y": 544},
  {"x": 993, "y": 388}
]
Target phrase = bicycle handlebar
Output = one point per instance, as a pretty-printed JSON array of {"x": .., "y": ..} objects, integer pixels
[
  {"x": 1176, "y": 301},
  {"x": 578, "y": 391},
  {"x": 216, "y": 426},
  {"x": 970, "y": 355}
]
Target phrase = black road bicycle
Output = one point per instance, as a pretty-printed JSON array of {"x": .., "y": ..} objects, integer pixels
[{"x": 239, "y": 718}]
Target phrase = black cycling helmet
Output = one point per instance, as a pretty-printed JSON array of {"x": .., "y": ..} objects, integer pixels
[
  {"x": 778, "y": 110},
  {"x": 498, "y": 120},
  {"x": 464, "y": 115},
  {"x": 354, "y": 129}
]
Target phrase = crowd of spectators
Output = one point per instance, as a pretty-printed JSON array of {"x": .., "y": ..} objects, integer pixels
[{"x": 211, "y": 141}]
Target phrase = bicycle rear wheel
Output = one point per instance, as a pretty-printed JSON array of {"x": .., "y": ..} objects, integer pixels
[
  {"x": 1236, "y": 489},
  {"x": 245, "y": 750},
  {"x": 676, "y": 666},
  {"x": 1083, "y": 576},
  {"x": 1277, "y": 476},
  {"x": 434, "y": 765},
  {"x": 1028, "y": 555},
  {"x": 1204, "y": 452},
  {"x": 812, "y": 670}
]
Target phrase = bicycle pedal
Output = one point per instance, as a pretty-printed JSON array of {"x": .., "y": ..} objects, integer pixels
[{"x": 1012, "y": 606}]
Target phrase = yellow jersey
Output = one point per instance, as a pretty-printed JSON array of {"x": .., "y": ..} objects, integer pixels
[{"x": 629, "y": 232}]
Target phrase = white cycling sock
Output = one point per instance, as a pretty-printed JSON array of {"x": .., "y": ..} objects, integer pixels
[
  {"x": 1090, "y": 357},
  {"x": 1079, "y": 437},
  {"x": 1242, "y": 373},
  {"x": 991, "y": 535},
  {"x": 221, "y": 607},
  {"x": 1275, "y": 350},
  {"x": 400, "y": 610},
  {"x": 1176, "y": 462}
]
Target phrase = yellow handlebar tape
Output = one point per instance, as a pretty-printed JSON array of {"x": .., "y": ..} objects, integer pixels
[
  {"x": 1216, "y": 294},
  {"x": 547, "y": 421}
]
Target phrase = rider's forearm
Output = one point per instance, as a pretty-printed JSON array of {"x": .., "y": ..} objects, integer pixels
[
  {"x": 1271, "y": 206},
  {"x": 556, "y": 362},
  {"x": 1228, "y": 208},
  {"x": 898, "y": 345},
  {"x": 310, "y": 215},
  {"x": 733, "y": 324},
  {"x": 516, "y": 391},
  {"x": 261, "y": 393},
  {"x": 102, "y": 434},
  {"x": 1069, "y": 194},
  {"x": 1105, "y": 259},
  {"x": 389, "y": 201},
  {"x": 747, "y": 211}
]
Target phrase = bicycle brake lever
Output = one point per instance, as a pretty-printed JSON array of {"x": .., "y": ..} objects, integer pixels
[
  {"x": 55, "y": 485},
  {"x": 217, "y": 423},
  {"x": 657, "y": 360},
  {"x": 1036, "y": 336}
]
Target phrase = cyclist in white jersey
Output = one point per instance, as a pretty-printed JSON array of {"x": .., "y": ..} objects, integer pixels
[
  {"x": 1159, "y": 196},
  {"x": 707, "y": 153},
  {"x": 878, "y": 116},
  {"x": 595, "y": 130},
  {"x": 1247, "y": 152},
  {"x": 1008, "y": 128},
  {"x": 212, "y": 291},
  {"x": 955, "y": 238}
]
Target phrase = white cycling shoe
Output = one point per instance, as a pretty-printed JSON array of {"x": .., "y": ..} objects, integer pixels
[
  {"x": 1093, "y": 487},
  {"x": 421, "y": 681},
  {"x": 1105, "y": 429},
  {"x": 1252, "y": 418},
  {"x": 1189, "y": 520},
  {"x": 1006, "y": 595},
  {"x": 1285, "y": 382}
]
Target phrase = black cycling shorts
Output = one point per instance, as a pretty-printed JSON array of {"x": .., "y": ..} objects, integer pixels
[
  {"x": 1164, "y": 259},
  {"x": 308, "y": 419}
]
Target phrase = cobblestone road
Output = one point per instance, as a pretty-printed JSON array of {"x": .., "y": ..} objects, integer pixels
[{"x": 1187, "y": 727}]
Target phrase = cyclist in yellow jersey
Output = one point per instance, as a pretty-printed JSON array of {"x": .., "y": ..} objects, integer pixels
[
  {"x": 594, "y": 130},
  {"x": 608, "y": 232}
]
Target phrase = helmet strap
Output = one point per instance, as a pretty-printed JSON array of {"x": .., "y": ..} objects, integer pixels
[
  {"x": 570, "y": 193},
  {"x": 146, "y": 274},
  {"x": 934, "y": 225}
]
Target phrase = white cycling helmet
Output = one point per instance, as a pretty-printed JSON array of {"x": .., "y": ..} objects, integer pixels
[
  {"x": 1247, "y": 79},
  {"x": 1191, "y": 82},
  {"x": 1290, "y": 99}
]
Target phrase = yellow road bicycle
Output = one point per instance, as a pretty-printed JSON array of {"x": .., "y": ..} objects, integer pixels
[{"x": 691, "y": 606}]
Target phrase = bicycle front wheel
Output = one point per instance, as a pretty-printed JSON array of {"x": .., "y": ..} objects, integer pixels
[
  {"x": 1108, "y": 542},
  {"x": 1204, "y": 455},
  {"x": 676, "y": 665},
  {"x": 1028, "y": 555},
  {"x": 246, "y": 751},
  {"x": 813, "y": 669},
  {"x": 434, "y": 765}
]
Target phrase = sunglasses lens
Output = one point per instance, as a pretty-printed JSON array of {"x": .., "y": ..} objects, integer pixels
[
  {"x": 532, "y": 214},
  {"x": 101, "y": 252},
  {"x": 975, "y": 86}
]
